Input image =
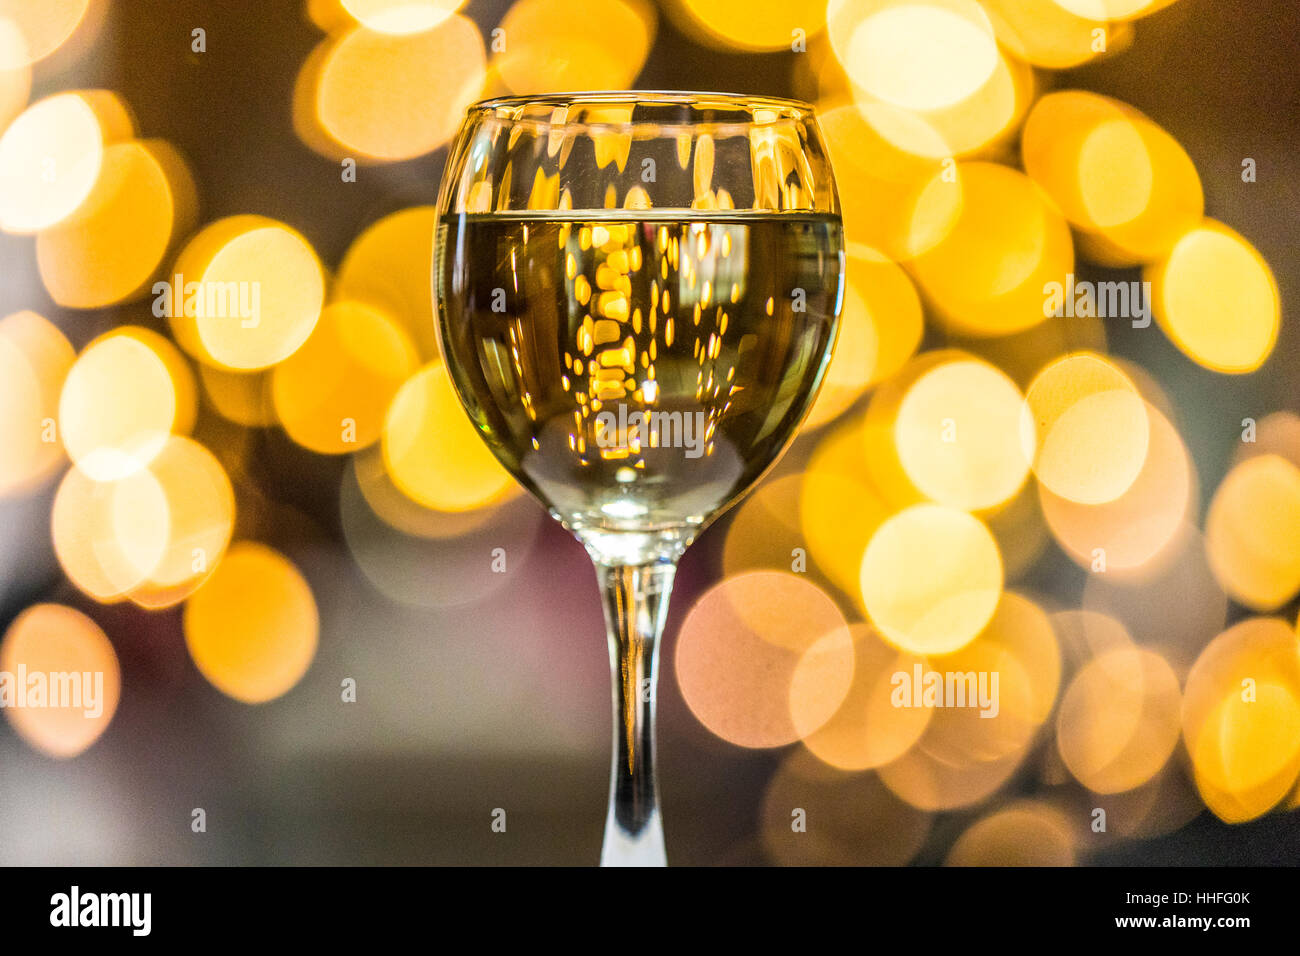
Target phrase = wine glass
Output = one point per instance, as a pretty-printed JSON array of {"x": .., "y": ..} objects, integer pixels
[{"x": 638, "y": 293}]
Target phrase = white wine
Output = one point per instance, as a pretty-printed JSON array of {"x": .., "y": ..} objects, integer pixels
[{"x": 638, "y": 370}]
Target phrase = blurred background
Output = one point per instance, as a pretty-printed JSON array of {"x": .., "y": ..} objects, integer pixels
[{"x": 278, "y": 543}]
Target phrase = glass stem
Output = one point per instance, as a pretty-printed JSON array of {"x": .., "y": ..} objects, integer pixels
[{"x": 636, "y": 606}]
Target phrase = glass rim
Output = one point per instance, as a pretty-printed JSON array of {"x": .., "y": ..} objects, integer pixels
[{"x": 650, "y": 97}]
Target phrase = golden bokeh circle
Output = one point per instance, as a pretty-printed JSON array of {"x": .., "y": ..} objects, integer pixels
[
  {"x": 251, "y": 291},
  {"x": 931, "y": 579},
  {"x": 107, "y": 252},
  {"x": 1251, "y": 530},
  {"x": 432, "y": 451},
  {"x": 1216, "y": 299},
  {"x": 51, "y": 156},
  {"x": 78, "y": 671},
  {"x": 987, "y": 275},
  {"x": 125, "y": 394},
  {"x": 35, "y": 358},
  {"x": 1241, "y": 718},
  {"x": 867, "y": 730},
  {"x": 574, "y": 44},
  {"x": 1086, "y": 425},
  {"x": 382, "y": 97},
  {"x": 957, "y": 431},
  {"x": 1119, "y": 720},
  {"x": 253, "y": 627},
  {"x": 332, "y": 394},
  {"x": 752, "y": 674},
  {"x": 1025, "y": 833}
]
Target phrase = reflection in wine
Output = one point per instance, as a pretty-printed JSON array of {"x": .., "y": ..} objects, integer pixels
[{"x": 638, "y": 373}]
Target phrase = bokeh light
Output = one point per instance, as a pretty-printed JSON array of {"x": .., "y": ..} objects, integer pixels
[
  {"x": 839, "y": 510},
  {"x": 241, "y": 397},
  {"x": 52, "y": 154},
  {"x": 35, "y": 358},
  {"x": 1277, "y": 433},
  {"x": 753, "y": 674},
  {"x": 1086, "y": 634},
  {"x": 976, "y": 124},
  {"x": 1113, "y": 9},
  {"x": 914, "y": 55},
  {"x": 69, "y": 661},
  {"x": 109, "y": 536},
  {"x": 849, "y": 819},
  {"x": 390, "y": 505},
  {"x": 253, "y": 627},
  {"x": 891, "y": 199},
  {"x": 1118, "y": 722},
  {"x": 958, "y": 435},
  {"x": 383, "y": 97},
  {"x": 987, "y": 275},
  {"x": 1241, "y": 718},
  {"x": 868, "y": 730},
  {"x": 44, "y": 26},
  {"x": 574, "y": 44},
  {"x": 422, "y": 558},
  {"x": 127, "y": 391},
  {"x": 931, "y": 579},
  {"x": 1128, "y": 533},
  {"x": 933, "y": 783},
  {"x": 763, "y": 530},
  {"x": 1089, "y": 426},
  {"x": 199, "y": 518},
  {"x": 1216, "y": 299},
  {"x": 1176, "y": 606},
  {"x": 1047, "y": 33},
  {"x": 332, "y": 394},
  {"x": 1022, "y": 355},
  {"x": 1164, "y": 804},
  {"x": 250, "y": 293},
  {"x": 401, "y": 17},
  {"x": 764, "y": 25},
  {"x": 15, "y": 72},
  {"x": 1251, "y": 530},
  {"x": 107, "y": 252},
  {"x": 1123, "y": 181},
  {"x": 432, "y": 451},
  {"x": 1018, "y": 646},
  {"x": 877, "y": 457},
  {"x": 388, "y": 267},
  {"x": 1026, "y": 833}
]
